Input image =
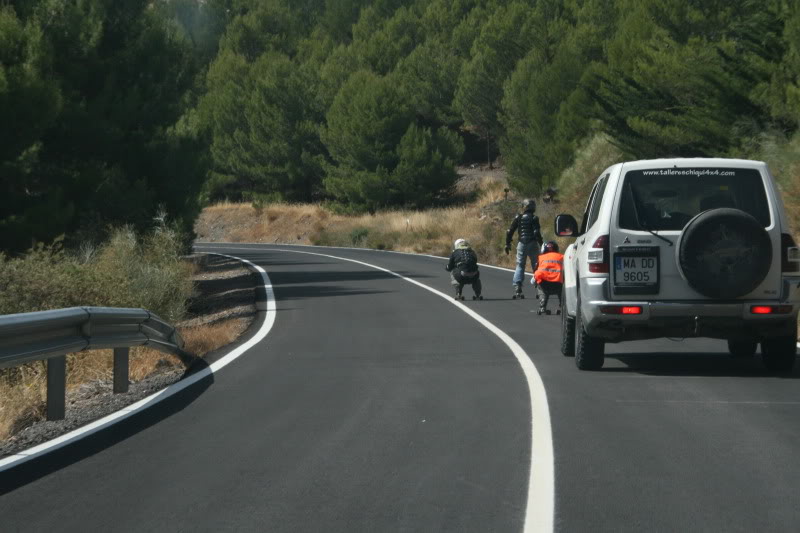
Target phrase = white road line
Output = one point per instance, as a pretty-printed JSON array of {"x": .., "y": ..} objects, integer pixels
[
  {"x": 98, "y": 425},
  {"x": 233, "y": 246},
  {"x": 540, "y": 506}
]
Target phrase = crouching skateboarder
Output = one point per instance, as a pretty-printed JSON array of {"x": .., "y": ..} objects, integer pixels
[
  {"x": 463, "y": 268},
  {"x": 549, "y": 276}
]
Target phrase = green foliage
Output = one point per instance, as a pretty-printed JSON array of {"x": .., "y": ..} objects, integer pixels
[
  {"x": 426, "y": 164},
  {"x": 389, "y": 83},
  {"x": 428, "y": 78},
  {"x": 118, "y": 107},
  {"x": 382, "y": 157},
  {"x": 339, "y": 17},
  {"x": 358, "y": 236},
  {"x": 591, "y": 158},
  {"x": 504, "y": 40},
  {"x": 381, "y": 50},
  {"x": 265, "y": 26},
  {"x": 545, "y": 105},
  {"x": 98, "y": 93},
  {"x": 28, "y": 100},
  {"x": 366, "y": 122},
  {"x": 264, "y": 127},
  {"x": 672, "y": 86},
  {"x": 782, "y": 154},
  {"x": 780, "y": 95}
]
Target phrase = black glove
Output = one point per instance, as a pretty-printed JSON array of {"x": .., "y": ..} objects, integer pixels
[{"x": 508, "y": 249}]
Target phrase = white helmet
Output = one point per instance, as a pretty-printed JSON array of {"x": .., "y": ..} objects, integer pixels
[{"x": 460, "y": 243}]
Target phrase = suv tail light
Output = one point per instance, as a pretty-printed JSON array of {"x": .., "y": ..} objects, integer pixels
[
  {"x": 598, "y": 256},
  {"x": 770, "y": 309},
  {"x": 790, "y": 255},
  {"x": 621, "y": 309}
]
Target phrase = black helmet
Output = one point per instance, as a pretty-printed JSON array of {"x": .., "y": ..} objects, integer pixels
[
  {"x": 528, "y": 204},
  {"x": 549, "y": 246}
]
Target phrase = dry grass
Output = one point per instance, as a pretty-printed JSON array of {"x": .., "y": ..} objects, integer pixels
[
  {"x": 23, "y": 396},
  {"x": 128, "y": 270},
  {"x": 789, "y": 179},
  {"x": 483, "y": 222},
  {"x": 24, "y": 389},
  {"x": 782, "y": 154},
  {"x": 430, "y": 231},
  {"x": 241, "y": 222},
  {"x": 201, "y": 340},
  {"x": 492, "y": 190},
  {"x": 225, "y": 206}
]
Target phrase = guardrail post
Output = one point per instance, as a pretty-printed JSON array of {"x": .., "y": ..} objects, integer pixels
[
  {"x": 120, "y": 370},
  {"x": 56, "y": 387}
]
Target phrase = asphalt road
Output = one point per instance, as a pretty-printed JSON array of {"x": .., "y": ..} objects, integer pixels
[{"x": 376, "y": 405}]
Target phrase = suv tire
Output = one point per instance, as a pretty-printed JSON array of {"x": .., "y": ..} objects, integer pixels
[
  {"x": 740, "y": 348},
  {"x": 779, "y": 353},
  {"x": 567, "y": 328},
  {"x": 724, "y": 253},
  {"x": 589, "y": 351}
]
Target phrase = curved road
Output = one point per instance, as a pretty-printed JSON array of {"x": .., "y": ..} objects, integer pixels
[{"x": 376, "y": 405}]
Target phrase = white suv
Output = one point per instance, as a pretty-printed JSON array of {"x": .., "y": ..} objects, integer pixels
[{"x": 682, "y": 248}]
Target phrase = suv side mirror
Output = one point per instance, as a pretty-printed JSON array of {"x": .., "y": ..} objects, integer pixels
[{"x": 566, "y": 226}]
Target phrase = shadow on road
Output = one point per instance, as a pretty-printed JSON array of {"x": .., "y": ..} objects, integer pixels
[
  {"x": 299, "y": 285},
  {"x": 215, "y": 263},
  {"x": 73, "y": 453},
  {"x": 302, "y": 292},
  {"x": 694, "y": 364},
  {"x": 266, "y": 264},
  {"x": 329, "y": 276},
  {"x": 222, "y": 294}
]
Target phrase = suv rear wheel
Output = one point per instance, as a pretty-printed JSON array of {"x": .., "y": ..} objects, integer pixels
[
  {"x": 779, "y": 353},
  {"x": 589, "y": 351},
  {"x": 740, "y": 348},
  {"x": 567, "y": 328}
]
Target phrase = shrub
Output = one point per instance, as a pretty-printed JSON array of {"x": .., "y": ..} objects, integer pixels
[
  {"x": 358, "y": 236},
  {"x": 783, "y": 157},
  {"x": 126, "y": 271}
]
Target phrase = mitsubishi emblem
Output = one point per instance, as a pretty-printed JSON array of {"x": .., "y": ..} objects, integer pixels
[{"x": 626, "y": 241}]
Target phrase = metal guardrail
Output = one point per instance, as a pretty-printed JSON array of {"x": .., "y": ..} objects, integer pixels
[{"x": 50, "y": 335}]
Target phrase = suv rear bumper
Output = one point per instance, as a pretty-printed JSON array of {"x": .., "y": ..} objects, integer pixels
[{"x": 722, "y": 320}]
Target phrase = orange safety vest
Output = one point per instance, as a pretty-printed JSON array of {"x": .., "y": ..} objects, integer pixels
[{"x": 551, "y": 266}]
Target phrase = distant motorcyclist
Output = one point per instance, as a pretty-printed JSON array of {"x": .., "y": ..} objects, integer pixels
[
  {"x": 463, "y": 268},
  {"x": 549, "y": 275},
  {"x": 530, "y": 239}
]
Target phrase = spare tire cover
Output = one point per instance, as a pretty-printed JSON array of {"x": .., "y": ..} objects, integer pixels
[{"x": 724, "y": 253}]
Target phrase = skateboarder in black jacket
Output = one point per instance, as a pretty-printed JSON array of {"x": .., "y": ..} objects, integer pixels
[{"x": 530, "y": 239}]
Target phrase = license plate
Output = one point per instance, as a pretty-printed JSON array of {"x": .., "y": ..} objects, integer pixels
[{"x": 634, "y": 270}]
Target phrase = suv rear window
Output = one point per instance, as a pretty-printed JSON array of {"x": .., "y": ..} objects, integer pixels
[{"x": 666, "y": 199}]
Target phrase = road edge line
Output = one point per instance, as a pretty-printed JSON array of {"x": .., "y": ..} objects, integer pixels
[
  {"x": 107, "y": 421},
  {"x": 540, "y": 505},
  {"x": 212, "y": 244}
]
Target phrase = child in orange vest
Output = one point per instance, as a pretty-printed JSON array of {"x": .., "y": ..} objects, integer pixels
[{"x": 549, "y": 276}]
